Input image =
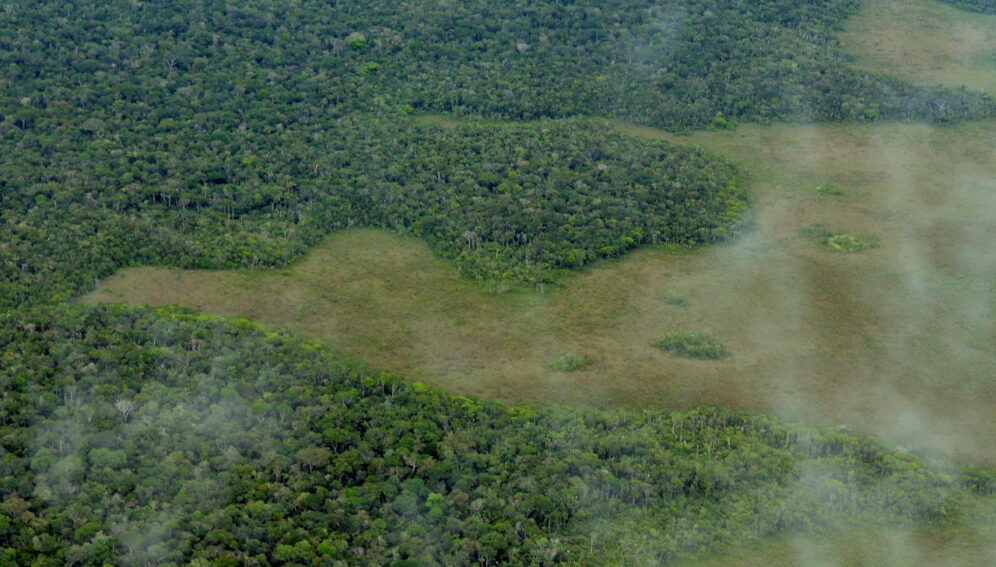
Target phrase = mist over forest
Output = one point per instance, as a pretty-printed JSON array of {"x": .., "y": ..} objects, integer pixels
[{"x": 497, "y": 283}]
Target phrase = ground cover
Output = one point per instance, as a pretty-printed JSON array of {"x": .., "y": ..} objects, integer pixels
[
  {"x": 865, "y": 547},
  {"x": 894, "y": 341},
  {"x": 925, "y": 42},
  {"x": 691, "y": 344}
]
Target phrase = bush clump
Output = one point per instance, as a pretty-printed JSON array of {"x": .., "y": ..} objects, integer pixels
[
  {"x": 570, "y": 362},
  {"x": 691, "y": 344},
  {"x": 836, "y": 240},
  {"x": 673, "y": 299},
  {"x": 830, "y": 190},
  {"x": 847, "y": 243}
]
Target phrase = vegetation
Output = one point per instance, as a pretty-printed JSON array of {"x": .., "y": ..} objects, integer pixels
[
  {"x": 193, "y": 135},
  {"x": 691, "y": 344},
  {"x": 359, "y": 285},
  {"x": 830, "y": 190},
  {"x": 677, "y": 64},
  {"x": 673, "y": 299},
  {"x": 835, "y": 240},
  {"x": 981, "y": 6},
  {"x": 514, "y": 202},
  {"x": 138, "y": 435},
  {"x": 507, "y": 202},
  {"x": 238, "y": 134},
  {"x": 770, "y": 296},
  {"x": 570, "y": 362},
  {"x": 953, "y": 47}
]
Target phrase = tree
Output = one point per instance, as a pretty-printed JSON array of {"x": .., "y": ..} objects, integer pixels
[
  {"x": 125, "y": 407},
  {"x": 314, "y": 457}
]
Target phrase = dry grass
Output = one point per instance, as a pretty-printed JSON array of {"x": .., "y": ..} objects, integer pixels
[
  {"x": 964, "y": 547},
  {"x": 897, "y": 341},
  {"x": 924, "y": 41}
]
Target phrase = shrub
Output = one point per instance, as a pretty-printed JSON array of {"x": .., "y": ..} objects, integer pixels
[
  {"x": 570, "y": 362},
  {"x": 830, "y": 190},
  {"x": 835, "y": 240},
  {"x": 691, "y": 344},
  {"x": 847, "y": 243},
  {"x": 673, "y": 299}
]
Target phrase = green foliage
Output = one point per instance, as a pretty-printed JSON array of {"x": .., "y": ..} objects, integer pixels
[
  {"x": 847, "y": 243},
  {"x": 691, "y": 344},
  {"x": 222, "y": 135},
  {"x": 343, "y": 462},
  {"x": 721, "y": 123},
  {"x": 980, "y": 480},
  {"x": 673, "y": 299},
  {"x": 835, "y": 240},
  {"x": 509, "y": 203},
  {"x": 570, "y": 362},
  {"x": 185, "y": 134},
  {"x": 830, "y": 190},
  {"x": 513, "y": 202}
]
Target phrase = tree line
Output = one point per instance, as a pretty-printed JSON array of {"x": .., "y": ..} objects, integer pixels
[{"x": 139, "y": 436}]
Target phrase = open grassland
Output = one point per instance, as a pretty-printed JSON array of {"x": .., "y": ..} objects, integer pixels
[
  {"x": 895, "y": 341},
  {"x": 924, "y": 41},
  {"x": 968, "y": 546}
]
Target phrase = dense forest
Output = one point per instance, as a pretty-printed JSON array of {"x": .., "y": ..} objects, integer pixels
[
  {"x": 237, "y": 134},
  {"x": 141, "y": 436},
  {"x": 212, "y": 134},
  {"x": 508, "y": 203}
]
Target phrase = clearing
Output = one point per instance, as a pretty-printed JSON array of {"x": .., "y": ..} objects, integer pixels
[
  {"x": 894, "y": 341},
  {"x": 924, "y": 41}
]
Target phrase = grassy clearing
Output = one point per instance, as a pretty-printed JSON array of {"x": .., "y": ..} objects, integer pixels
[
  {"x": 896, "y": 341},
  {"x": 960, "y": 546},
  {"x": 925, "y": 42}
]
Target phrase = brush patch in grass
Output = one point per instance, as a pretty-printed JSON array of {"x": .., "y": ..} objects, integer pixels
[
  {"x": 835, "y": 240},
  {"x": 570, "y": 362},
  {"x": 847, "y": 243},
  {"x": 691, "y": 344},
  {"x": 673, "y": 299},
  {"x": 830, "y": 190}
]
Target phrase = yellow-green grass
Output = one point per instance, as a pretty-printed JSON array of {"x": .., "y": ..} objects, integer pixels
[
  {"x": 924, "y": 41},
  {"x": 963, "y": 546},
  {"x": 895, "y": 341}
]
